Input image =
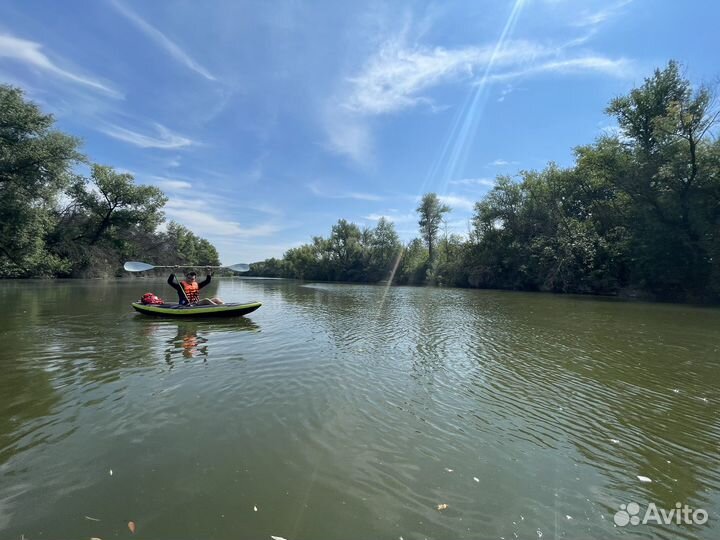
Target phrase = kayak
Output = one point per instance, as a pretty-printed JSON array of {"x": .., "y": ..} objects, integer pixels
[{"x": 178, "y": 310}]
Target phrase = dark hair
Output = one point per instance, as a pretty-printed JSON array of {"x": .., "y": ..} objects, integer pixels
[{"x": 190, "y": 273}]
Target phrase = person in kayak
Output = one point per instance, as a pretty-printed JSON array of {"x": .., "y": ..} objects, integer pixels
[{"x": 189, "y": 289}]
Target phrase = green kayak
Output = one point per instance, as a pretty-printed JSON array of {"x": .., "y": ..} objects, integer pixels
[{"x": 178, "y": 310}]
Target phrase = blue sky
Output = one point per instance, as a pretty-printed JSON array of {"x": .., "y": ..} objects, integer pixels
[{"x": 265, "y": 122}]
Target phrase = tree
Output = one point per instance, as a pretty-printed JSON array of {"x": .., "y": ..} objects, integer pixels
[
  {"x": 672, "y": 184},
  {"x": 431, "y": 212},
  {"x": 111, "y": 200},
  {"x": 346, "y": 248},
  {"x": 182, "y": 245},
  {"x": 414, "y": 264},
  {"x": 384, "y": 247},
  {"x": 35, "y": 166}
]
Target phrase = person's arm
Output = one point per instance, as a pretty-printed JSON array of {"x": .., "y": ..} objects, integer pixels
[
  {"x": 206, "y": 281},
  {"x": 173, "y": 283}
]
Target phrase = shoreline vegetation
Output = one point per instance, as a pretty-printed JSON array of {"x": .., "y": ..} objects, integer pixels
[
  {"x": 636, "y": 215},
  {"x": 55, "y": 222}
]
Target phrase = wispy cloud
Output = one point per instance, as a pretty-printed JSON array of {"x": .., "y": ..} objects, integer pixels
[
  {"x": 509, "y": 89},
  {"x": 618, "y": 67},
  {"x": 210, "y": 224},
  {"x": 161, "y": 39},
  {"x": 457, "y": 202},
  {"x": 473, "y": 182},
  {"x": 30, "y": 53},
  {"x": 328, "y": 194},
  {"x": 395, "y": 218},
  {"x": 400, "y": 76},
  {"x": 172, "y": 185},
  {"x": 594, "y": 18},
  {"x": 165, "y": 139},
  {"x": 395, "y": 76},
  {"x": 501, "y": 163},
  {"x": 348, "y": 133}
]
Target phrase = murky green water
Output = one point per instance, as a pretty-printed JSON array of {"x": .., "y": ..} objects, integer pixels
[{"x": 342, "y": 411}]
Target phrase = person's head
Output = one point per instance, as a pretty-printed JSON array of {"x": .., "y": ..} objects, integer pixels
[{"x": 190, "y": 276}]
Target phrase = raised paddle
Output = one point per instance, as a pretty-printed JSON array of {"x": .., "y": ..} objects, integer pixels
[{"x": 135, "y": 266}]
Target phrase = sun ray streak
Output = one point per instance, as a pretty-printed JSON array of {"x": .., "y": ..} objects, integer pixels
[
  {"x": 465, "y": 124},
  {"x": 396, "y": 264},
  {"x": 471, "y": 118}
]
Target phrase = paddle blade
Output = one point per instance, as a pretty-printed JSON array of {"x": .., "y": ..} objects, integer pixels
[
  {"x": 135, "y": 266},
  {"x": 239, "y": 267}
]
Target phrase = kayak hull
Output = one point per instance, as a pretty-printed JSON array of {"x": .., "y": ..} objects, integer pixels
[{"x": 186, "y": 312}]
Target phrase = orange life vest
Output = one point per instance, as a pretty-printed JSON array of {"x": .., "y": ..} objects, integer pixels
[{"x": 192, "y": 291}]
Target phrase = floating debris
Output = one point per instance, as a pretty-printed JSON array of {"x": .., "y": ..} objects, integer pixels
[
  {"x": 277, "y": 538},
  {"x": 110, "y": 472},
  {"x": 568, "y": 517},
  {"x": 614, "y": 441},
  {"x": 90, "y": 518},
  {"x": 644, "y": 479},
  {"x": 442, "y": 507},
  {"x": 255, "y": 508},
  {"x": 131, "y": 526},
  {"x": 476, "y": 478},
  {"x": 448, "y": 470},
  {"x": 95, "y": 538}
]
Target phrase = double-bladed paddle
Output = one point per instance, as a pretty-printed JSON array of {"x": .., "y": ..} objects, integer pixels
[{"x": 136, "y": 266}]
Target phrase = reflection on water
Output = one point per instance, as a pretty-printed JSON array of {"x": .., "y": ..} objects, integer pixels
[
  {"x": 188, "y": 339},
  {"x": 351, "y": 410}
]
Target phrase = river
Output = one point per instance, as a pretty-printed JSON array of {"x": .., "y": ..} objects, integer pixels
[{"x": 354, "y": 412}]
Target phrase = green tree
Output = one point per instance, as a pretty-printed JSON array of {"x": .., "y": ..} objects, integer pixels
[
  {"x": 111, "y": 201},
  {"x": 431, "y": 212},
  {"x": 35, "y": 167},
  {"x": 345, "y": 244},
  {"x": 384, "y": 248},
  {"x": 182, "y": 245},
  {"x": 667, "y": 127},
  {"x": 413, "y": 264}
]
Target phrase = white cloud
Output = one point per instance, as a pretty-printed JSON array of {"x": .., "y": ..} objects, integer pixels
[
  {"x": 620, "y": 67},
  {"x": 348, "y": 134},
  {"x": 594, "y": 18},
  {"x": 501, "y": 163},
  {"x": 362, "y": 196},
  {"x": 30, "y": 53},
  {"x": 393, "y": 79},
  {"x": 207, "y": 224},
  {"x": 161, "y": 39},
  {"x": 172, "y": 185},
  {"x": 509, "y": 89},
  {"x": 165, "y": 139},
  {"x": 395, "y": 218},
  {"x": 457, "y": 202},
  {"x": 473, "y": 182},
  {"x": 320, "y": 192},
  {"x": 399, "y": 77},
  {"x": 396, "y": 76}
]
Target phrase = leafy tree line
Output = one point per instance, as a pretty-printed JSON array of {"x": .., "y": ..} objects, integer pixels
[
  {"x": 637, "y": 213},
  {"x": 349, "y": 254},
  {"x": 55, "y": 222}
]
